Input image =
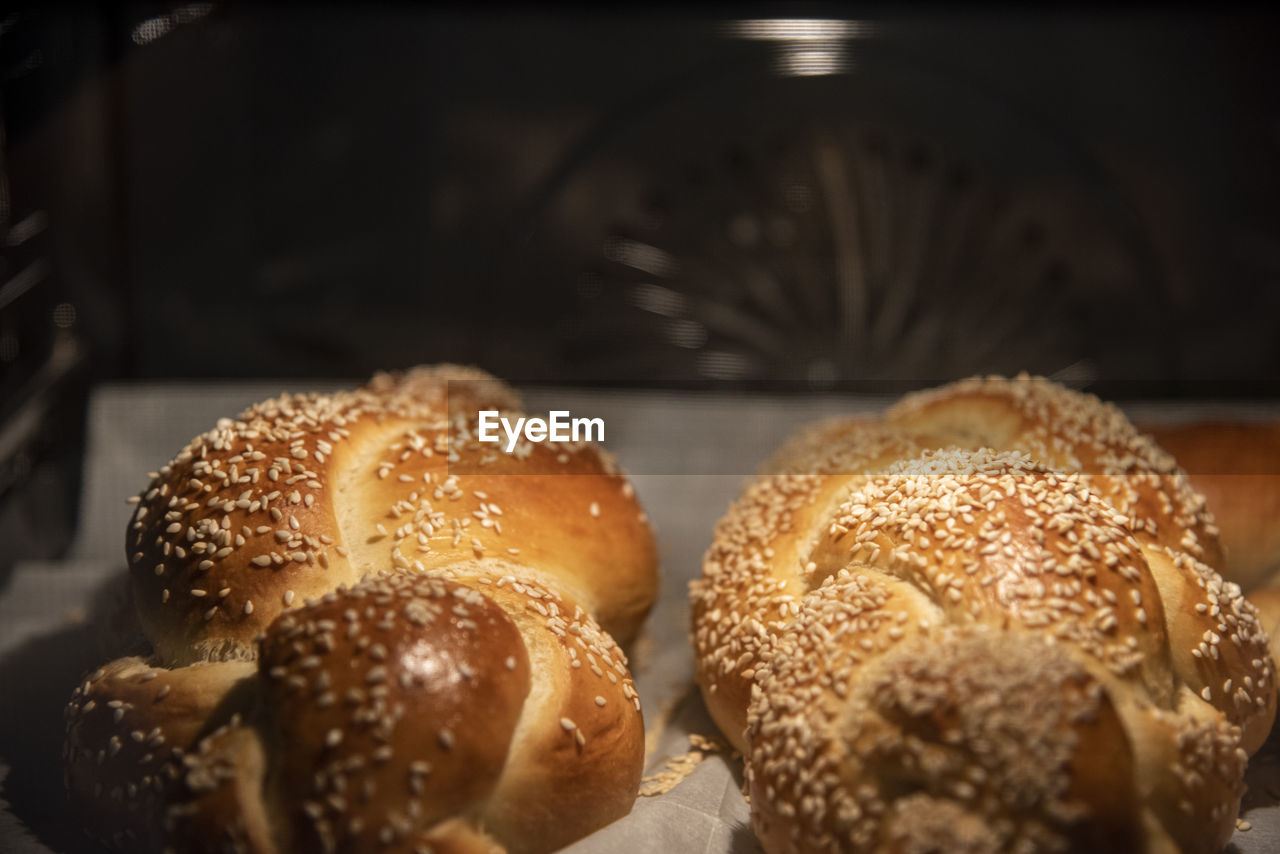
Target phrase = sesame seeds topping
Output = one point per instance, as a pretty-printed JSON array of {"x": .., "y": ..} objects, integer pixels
[
  {"x": 1010, "y": 710},
  {"x": 243, "y": 521},
  {"x": 874, "y": 538}
]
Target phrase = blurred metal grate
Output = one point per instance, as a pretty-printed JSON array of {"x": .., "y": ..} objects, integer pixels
[
  {"x": 876, "y": 221},
  {"x": 40, "y": 344}
]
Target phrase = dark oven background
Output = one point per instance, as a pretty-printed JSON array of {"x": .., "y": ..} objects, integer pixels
[{"x": 701, "y": 198}]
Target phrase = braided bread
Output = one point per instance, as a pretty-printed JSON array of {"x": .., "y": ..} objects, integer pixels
[
  {"x": 371, "y": 633},
  {"x": 1236, "y": 466},
  {"x": 985, "y": 622}
]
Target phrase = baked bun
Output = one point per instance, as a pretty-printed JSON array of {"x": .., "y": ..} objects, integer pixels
[
  {"x": 1236, "y": 466},
  {"x": 1267, "y": 603},
  {"x": 372, "y": 633},
  {"x": 985, "y": 622}
]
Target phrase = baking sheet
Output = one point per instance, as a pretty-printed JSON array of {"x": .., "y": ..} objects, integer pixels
[{"x": 689, "y": 454}]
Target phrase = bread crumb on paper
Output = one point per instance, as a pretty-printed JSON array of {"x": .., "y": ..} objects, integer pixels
[{"x": 680, "y": 766}]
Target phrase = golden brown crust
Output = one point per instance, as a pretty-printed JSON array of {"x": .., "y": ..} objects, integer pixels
[
  {"x": 421, "y": 611},
  {"x": 217, "y": 805},
  {"x": 129, "y": 725},
  {"x": 578, "y": 527},
  {"x": 885, "y": 552},
  {"x": 578, "y": 757},
  {"x": 1267, "y": 603},
  {"x": 304, "y": 493},
  {"x": 960, "y": 723},
  {"x": 1236, "y": 466},
  {"x": 396, "y": 703},
  {"x": 752, "y": 574},
  {"x": 1076, "y": 432}
]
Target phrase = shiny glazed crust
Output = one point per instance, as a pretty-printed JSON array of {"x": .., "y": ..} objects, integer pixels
[{"x": 372, "y": 633}]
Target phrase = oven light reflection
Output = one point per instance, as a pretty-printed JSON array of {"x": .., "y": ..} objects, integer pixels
[
  {"x": 799, "y": 29},
  {"x": 161, "y": 25},
  {"x": 429, "y": 663},
  {"x": 806, "y": 47}
]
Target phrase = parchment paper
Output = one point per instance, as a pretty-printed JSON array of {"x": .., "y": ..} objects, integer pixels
[{"x": 689, "y": 454}]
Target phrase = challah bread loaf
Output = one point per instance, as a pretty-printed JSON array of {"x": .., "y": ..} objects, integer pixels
[
  {"x": 372, "y": 633},
  {"x": 1072, "y": 432},
  {"x": 923, "y": 642},
  {"x": 1236, "y": 466}
]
